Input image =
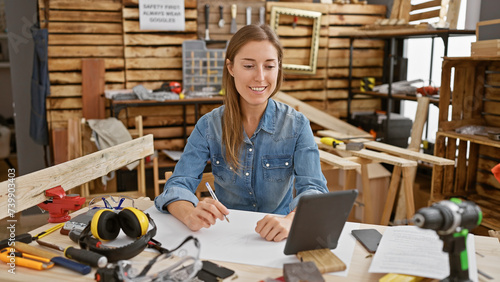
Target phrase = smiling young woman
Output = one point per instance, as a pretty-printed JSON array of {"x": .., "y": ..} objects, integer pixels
[{"x": 260, "y": 150}]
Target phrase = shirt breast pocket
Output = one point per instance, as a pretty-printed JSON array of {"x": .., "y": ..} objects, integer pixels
[
  {"x": 222, "y": 171},
  {"x": 277, "y": 168}
]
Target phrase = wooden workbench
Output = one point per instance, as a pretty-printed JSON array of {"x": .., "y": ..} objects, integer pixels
[{"x": 487, "y": 255}]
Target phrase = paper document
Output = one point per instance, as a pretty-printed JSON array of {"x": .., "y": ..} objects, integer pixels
[
  {"x": 419, "y": 252},
  {"x": 174, "y": 155},
  {"x": 238, "y": 242}
]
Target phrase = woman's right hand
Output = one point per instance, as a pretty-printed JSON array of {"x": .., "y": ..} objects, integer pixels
[{"x": 204, "y": 214}]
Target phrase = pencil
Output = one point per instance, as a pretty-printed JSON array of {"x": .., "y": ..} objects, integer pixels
[{"x": 213, "y": 195}]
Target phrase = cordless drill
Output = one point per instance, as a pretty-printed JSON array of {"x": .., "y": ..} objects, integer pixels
[{"x": 452, "y": 219}]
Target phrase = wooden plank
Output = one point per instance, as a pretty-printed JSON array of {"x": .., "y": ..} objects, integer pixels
[
  {"x": 63, "y": 115},
  {"x": 93, "y": 89},
  {"x": 170, "y": 144},
  {"x": 30, "y": 188},
  {"x": 109, "y": 5},
  {"x": 63, "y": 103},
  {"x": 334, "y": 42},
  {"x": 370, "y": 155},
  {"x": 321, "y": 118},
  {"x": 461, "y": 169},
  {"x": 85, "y": 51},
  {"x": 342, "y": 19},
  {"x": 337, "y": 94},
  {"x": 59, "y": 143},
  {"x": 149, "y": 75},
  {"x": 396, "y": 6},
  {"x": 452, "y": 14},
  {"x": 76, "y": 77},
  {"x": 337, "y": 161},
  {"x": 425, "y": 5},
  {"x": 449, "y": 172},
  {"x": 308, "y": 95},
  {"x": 356, "y": 72},
  {"x": 84, "y": 16},
  {"x": 154, "y": 63},
  {"x": 159, "y": 52},
  {"x": 79, "y": 27},
  {"x": 169, "y": 132},
  {"x": 85, "y": 39},
  {"x": 409, "y": 154},
  {"x": 65, "y": 90},
  {"x": 424, "y": 15},
  {"x": 458, "y": 93},
  {"x": 355, "y": 9},
  {"x": 404, "y": 10},
  {"x": 67, "y": 64}
]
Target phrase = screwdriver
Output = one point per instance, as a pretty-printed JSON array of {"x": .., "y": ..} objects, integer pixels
[
  {"x": 64, "y": 262},
  {"x": 83, "y": 256}
]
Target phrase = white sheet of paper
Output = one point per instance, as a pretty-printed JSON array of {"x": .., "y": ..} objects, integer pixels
[
  {"x": 174, "y": 155},
  {"x": 238, "y": 242},
  {"x": 419, "y": 252}
]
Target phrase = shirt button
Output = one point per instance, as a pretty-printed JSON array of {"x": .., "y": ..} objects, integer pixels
[
  {"x": 250, "y": 193},
  {"x": 267, "y": 165},
  {"x": 286, "y": 163},
  {"x": 230, "y": 168},
  {"x": 247, "y": 174},
  {"x": 217, "y": 162},
  {"x": 250, "y": 149},
  {"x": 254, "y": 205}
]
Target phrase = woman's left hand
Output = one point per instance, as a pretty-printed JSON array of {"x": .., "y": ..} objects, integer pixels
[{"x": 274, "y": 228}]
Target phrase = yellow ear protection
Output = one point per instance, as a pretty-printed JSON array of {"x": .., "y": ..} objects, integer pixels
[{"x": 106, "y": 224}]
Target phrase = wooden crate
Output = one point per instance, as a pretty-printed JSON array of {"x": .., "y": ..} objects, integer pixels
[{"x": 475, "y": 101}]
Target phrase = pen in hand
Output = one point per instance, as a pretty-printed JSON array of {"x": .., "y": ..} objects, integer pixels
[{"x": 213, "y": 195}]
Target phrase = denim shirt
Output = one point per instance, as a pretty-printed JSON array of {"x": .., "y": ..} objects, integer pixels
[{"x": 281, "y": 151}]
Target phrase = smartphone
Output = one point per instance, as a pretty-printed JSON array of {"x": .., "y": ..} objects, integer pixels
[{"x": 369, "y": 238}]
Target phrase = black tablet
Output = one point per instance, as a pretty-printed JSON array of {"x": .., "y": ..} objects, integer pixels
[{"x": 319, "y": 220}]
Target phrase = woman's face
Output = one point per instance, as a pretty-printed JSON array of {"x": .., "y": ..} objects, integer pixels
[{"x": 255, "y": 72}]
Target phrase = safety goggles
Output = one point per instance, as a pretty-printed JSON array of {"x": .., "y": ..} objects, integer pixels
[
  {"x": 180, "y": 264},
  {"x": 107, "y": 200}
]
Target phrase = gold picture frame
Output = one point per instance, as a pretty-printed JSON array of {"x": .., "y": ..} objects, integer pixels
[{"x": 313, "y": 57}]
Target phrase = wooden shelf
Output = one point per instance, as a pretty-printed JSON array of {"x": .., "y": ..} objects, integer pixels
[{"x": 478, "y": 139}]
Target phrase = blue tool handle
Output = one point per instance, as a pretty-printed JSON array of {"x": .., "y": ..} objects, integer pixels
[{"x": 75, "y": 266}]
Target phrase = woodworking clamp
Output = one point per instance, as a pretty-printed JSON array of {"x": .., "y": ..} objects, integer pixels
[{"x": 59, "y": 204}]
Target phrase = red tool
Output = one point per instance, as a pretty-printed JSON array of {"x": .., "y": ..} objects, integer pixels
[
  {"x": 60, "y": 204},
  {"x": 428, "y": 90}
]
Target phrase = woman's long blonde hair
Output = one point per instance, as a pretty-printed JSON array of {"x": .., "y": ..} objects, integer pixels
[{"x": 232, "y": 124}]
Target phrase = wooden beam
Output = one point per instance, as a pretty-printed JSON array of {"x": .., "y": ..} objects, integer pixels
[
  {"x": 30, "y": 188},
  {"x": 93, "y": 89},
  {"x": 321, "y": 118}
]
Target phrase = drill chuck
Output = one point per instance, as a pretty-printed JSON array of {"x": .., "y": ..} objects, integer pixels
[{"x": 447, "y": 217}]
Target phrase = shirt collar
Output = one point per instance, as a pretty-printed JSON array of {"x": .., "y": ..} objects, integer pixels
[{"x": 268, "y": 121}]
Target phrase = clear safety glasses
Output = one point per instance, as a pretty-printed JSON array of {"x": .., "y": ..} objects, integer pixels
[{"x": 180, "y": 264}]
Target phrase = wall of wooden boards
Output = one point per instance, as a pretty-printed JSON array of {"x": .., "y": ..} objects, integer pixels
[
  {"x": 109, "y": 29},
  {"x": 327, "y": 90}
]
